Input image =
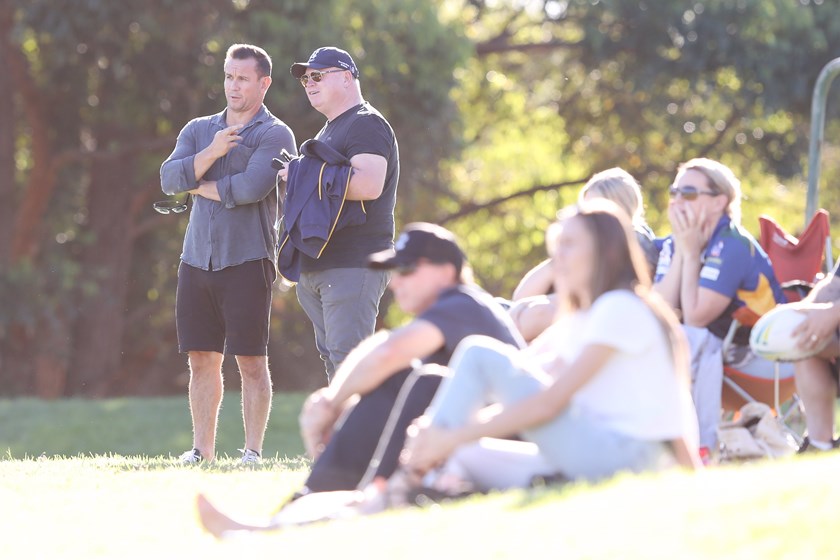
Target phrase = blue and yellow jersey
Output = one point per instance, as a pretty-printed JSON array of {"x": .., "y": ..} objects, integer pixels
[{"x": 734, "y": 265}]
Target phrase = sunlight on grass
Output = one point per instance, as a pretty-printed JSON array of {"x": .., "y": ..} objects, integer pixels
[
  {"x": 86, "y": 504},
  {"x": 117, "y": 507}
]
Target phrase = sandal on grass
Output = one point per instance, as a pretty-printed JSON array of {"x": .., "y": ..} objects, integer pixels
[{"x": 409, "y": 487}]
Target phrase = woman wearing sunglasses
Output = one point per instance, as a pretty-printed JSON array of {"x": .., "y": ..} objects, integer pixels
[{"x": 708, "y": 268}]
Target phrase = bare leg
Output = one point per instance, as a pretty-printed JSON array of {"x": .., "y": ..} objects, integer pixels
[
  {"x": 205, "y": 398},
  {"x": 814, "y": 382},
  {"x": 256, "y": 399},
  {"x": 317, "y": 507},
  {"x": 818, "y": 391},
  {"x": 220, "y": 525}
]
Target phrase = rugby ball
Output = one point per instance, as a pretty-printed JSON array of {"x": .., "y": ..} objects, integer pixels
[{"x": 771, "y": 337}]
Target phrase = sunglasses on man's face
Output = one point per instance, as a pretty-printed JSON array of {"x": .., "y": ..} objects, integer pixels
[
  {"x": 407, "y": 270},
  {"x": 169, "y": 207},
  {"x": 316, "y": 76},
  {"x": 689, "y": 192}
]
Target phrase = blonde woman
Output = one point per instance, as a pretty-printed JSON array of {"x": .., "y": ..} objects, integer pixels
[
  {"x": 622, "y": 188},
  {"x": 709, "y": 267},
  {"x": 533, "y": 308}
]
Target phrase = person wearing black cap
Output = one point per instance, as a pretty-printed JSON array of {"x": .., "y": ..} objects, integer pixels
[
  {"x": 392, "y": 373},
  {"x": 430, "y": 281},
  {"x": 339, "y": 294}
]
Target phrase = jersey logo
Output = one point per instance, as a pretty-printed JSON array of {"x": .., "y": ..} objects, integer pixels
[{"x": 709, "y": 273}]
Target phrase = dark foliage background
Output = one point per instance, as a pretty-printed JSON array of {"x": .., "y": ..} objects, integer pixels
[{"x": 502, "y": 110}]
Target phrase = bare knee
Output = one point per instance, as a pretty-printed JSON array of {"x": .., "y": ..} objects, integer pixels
[
  {"x": 253, "y": 367},
  {"x": 205, "y": 363},
  {"x": 814, "y": 377},
  {"x": 828, "y": 290}
]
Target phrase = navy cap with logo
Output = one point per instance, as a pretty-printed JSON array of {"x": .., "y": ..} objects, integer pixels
[
  {"x": 420, "y": 240},
  {"x": 326, "y": 57}
]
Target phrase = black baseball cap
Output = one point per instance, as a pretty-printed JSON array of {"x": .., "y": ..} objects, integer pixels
[
  {"x": 420, "y": 240},
  {"x": 326, "y": 57}
]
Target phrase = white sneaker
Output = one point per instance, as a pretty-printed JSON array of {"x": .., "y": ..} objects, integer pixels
[
  {"x": 191, "y": 457},
  {"x": 250, "y": 457}
]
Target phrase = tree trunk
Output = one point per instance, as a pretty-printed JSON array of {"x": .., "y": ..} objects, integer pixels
[
  {"x": 7, "y": 199},
  {"x": 31, "y": 356},
  {"x": 16, "y": 367},
  {"x": 7, "y": 160},
  {"x": 50, "y": 359},
  {"x": 100, "y": 324},
  {"x": 42, "y": 178}
]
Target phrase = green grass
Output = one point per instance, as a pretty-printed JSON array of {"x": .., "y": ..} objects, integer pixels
[
  {"x": 141, "y": 506},
  {"x": 151, "y": 427}
]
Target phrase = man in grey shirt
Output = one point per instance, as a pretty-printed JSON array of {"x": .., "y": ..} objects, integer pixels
[{"x": 223, "y": 300}]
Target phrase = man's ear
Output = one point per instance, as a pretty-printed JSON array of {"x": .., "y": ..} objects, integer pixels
[{"x": 266, "y": 82}]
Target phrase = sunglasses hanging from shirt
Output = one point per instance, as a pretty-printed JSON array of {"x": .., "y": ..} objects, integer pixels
[{"x": 170, "y": 206}]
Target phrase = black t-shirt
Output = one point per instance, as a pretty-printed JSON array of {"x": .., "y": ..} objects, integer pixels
[
  {"x": 466, "y": 310},
  {"x": 361, "y": 130}
]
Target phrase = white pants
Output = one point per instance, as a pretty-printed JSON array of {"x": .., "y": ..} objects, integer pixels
[
  {"x": 485, "y": 370},
  {"x": 706, "y": 381}
]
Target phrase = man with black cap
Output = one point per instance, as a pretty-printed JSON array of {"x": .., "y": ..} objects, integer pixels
[
  {"x": 339, "y": 294},
  {"x": 385, "y": 372}
]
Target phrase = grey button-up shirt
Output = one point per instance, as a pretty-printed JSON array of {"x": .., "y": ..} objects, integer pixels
[{"x": 242, "y": 227}]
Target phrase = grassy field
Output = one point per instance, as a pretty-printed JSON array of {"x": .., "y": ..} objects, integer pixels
[
  {"x": 151, "y": 427},
  {"x": 115, "y": 493}
]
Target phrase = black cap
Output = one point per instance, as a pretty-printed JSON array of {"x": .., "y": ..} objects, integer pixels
[
  {"x": 420, "y": 240},
  {"x": 326, "y": 57}
]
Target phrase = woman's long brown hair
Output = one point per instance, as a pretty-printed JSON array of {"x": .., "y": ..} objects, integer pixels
[{"x": 619, "y": 264}]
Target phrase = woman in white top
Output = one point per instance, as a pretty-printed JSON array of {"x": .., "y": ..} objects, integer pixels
[{"x": 604, "y": 389}]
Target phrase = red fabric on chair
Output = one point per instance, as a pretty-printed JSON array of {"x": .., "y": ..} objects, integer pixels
[{"x": 796, "y": 259}]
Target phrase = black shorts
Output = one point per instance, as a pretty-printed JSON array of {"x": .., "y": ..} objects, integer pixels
[{"x": 225, "y": 311}]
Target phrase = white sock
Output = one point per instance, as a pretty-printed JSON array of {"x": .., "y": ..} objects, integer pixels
[{"x": 821, "y": 445}]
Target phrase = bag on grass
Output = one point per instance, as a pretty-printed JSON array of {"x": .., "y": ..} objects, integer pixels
[{"x": 757, "y": 433}]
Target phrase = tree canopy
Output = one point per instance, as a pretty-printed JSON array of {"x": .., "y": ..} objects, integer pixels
[{"x": 503, "y": 109}]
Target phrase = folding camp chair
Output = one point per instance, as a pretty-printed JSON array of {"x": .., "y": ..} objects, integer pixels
[{"x": 798, "y": 264}]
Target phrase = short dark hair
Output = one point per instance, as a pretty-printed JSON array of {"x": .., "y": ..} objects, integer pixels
[{"x": 243, "y": 52}]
